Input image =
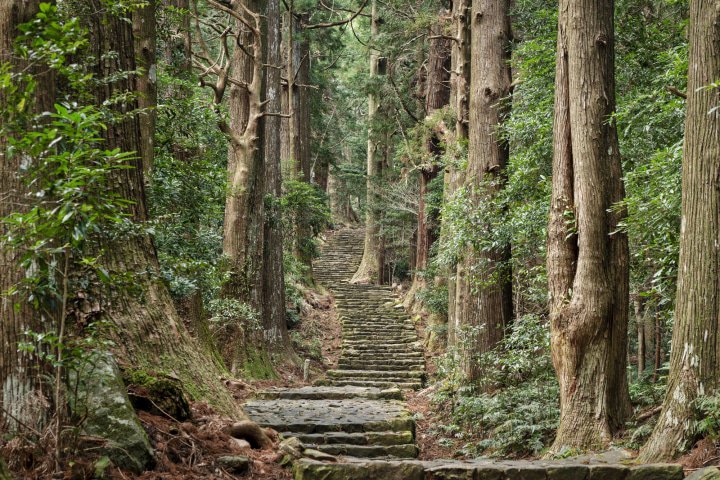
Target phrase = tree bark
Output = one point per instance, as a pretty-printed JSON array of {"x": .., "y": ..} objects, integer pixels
[
  {"x": 244, "y": 227},
  {"x": 459, "y": 81},
  {"x": 24, "y": 397},
  {"x": 149, "y": 334},
  {"x": 371, "y": 265},
  {"x": 148, "y": 331},
  {"x": 587, "y": 264},
  {"x": 274, "y": 314},
  {"x": 486, "y": 309},
  {"x": 694, "y": 359},
  {"x": 144, "y": 33}
]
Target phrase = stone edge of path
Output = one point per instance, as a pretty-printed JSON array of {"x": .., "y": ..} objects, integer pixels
[{"x": 352, "y": 469}]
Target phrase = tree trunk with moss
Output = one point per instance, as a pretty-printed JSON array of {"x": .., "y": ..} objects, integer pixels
[
  {"x": 694, "y": 360},
  {"x": 24, "y": 397},
  {"x": 437, "y": 95},
  {"x": 147, "y": 330},
  {"x": 587, "y": 264},
  {"x": 483, "y": 290},
  {"x": 371, "y": 265}
]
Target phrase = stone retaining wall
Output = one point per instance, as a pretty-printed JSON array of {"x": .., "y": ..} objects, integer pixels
[{"x": 481, "y": 470}]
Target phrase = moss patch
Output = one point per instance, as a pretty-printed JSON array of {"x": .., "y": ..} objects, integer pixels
[{"x": 159, "y": 394}]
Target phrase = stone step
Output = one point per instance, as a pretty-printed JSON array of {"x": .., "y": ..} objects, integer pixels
[
  {"x": 375, "y": 365},
  {"x": 343, "y": 415},
  {"x": 330, "y": 393},
  {"x": 379, "y": 374},
  {"x": 390, "y": 340},
  {"x": 384, "y": 348},
  {"x": 377, "y": 383},
  {"x": 369, "y": 451},
  {"x": 354, "y": 354},
  {"x": 359, "y": 469},
  {"x": 360, "y": 438}
]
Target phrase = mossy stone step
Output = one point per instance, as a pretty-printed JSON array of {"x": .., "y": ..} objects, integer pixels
[
  {"x": 358, "y": 469},
  {"x": 369, "y": 451}
]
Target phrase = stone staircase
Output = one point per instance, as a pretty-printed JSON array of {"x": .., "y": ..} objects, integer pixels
[
  {"x": 380, "y": 344},
  {"x": 359, "y": 411},
  {"x": 357, "y": 427}
]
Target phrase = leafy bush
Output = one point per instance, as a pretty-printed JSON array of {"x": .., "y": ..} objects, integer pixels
[{"x": 517, "y": 411}]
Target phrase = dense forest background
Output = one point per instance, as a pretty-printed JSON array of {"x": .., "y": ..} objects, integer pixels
[{"x": 169, "y": 169}]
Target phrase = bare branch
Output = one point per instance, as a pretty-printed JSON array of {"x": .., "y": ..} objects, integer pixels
[
  {"x": 340, "y": 22},
  {"x": 676, "y": 92}
]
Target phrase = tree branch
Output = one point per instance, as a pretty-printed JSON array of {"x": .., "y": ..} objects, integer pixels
[{"x": 339, "y": 22}]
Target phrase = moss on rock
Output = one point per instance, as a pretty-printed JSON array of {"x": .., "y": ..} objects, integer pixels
[{"x": 98, "y": 399}]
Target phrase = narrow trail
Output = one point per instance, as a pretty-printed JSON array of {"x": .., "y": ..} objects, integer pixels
[
  {"x": 360, "y": 411},
  {"x": 356, "y": 426}
]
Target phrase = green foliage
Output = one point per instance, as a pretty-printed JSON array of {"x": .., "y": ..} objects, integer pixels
[
  {"x": 188, "y": 190},
  {"x": 304, "y": 208},
  {"x": 516, "y": 410},
  {"x": 70, "y": 210},
  {"x": 709, "y": 415},
  {"x": 231, "y": 316}
]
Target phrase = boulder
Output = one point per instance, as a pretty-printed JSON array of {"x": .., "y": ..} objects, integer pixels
[
  {"x": 97, "y": 395},
  {"x": 292, "y": 446}
]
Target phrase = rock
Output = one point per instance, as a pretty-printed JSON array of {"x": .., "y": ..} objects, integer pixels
[
  {"x": 607, "y": 472},
  {"x": 451, "y": 472},
  {"x": 240, "y": 443},
  {"x": 318, "y": 455},
  {"x": 567, "y": 472},
  {"x": 659, "y": 471},
  {"x": 98, "y": 394},
  {"x": 292, "y": 446},
  {"x": 710, "y": 473},
  {"x": 525, "y": 472},
  {"x": 233, "y": 463},
  {"x": 251, "y": 431}
]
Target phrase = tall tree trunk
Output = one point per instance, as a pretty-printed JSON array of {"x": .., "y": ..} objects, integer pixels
[
  {"x": 640, "y": 324},
  {"x": 437, "y": 95},
  {"x": 144, "y": 33},
  {"x": 274, "y": 314},
  {"x": 244, "y": 226},
  {"x": 371, "y": 265},
  {"x": 486, "y": 308},
  {"x": 587, "y": 270},
  {"x": 148, "y": 332},
  {"x": 694, "y": 359},
  {"x": 23, "y": 396},
  {"x": 459, "y": 81}
]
